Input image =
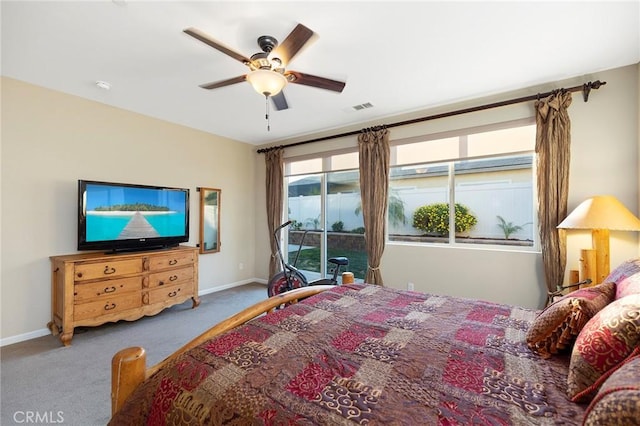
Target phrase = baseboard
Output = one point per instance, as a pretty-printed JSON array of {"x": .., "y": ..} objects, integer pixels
[
  {"x": 231, "y": 285},
  {"x": 45, "y": 331},
  {"x": 26, "y": 336}
]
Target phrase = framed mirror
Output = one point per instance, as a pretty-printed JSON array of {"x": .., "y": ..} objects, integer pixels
[{"x": 209, "y": 220}]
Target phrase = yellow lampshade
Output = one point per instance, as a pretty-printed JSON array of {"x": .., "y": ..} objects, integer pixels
[
  {"x": 601, "y": 212},
  {"x": 267, "y": 82}
]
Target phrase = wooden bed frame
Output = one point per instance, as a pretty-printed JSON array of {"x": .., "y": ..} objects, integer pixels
[{"x": 128, "y": 366}]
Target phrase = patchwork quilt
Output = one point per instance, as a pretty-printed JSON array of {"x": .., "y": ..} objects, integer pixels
[{"x": 364, "y": 354}]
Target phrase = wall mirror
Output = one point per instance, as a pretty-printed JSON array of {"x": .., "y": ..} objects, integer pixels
[{"x": 209, "y": 220}]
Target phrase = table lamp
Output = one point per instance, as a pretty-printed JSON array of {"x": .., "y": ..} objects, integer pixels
[{"x": 601, "y": 214}]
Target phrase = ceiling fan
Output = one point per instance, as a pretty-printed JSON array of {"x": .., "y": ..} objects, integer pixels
[{"x": 268, "y": 74}]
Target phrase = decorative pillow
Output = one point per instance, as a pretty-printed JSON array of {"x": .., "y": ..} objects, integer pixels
[
  {"x": 627, "y": 286},
  {"x": 557, "y": 326},
  {"x": 627, "y": 278},
  {"x": 618, "y": 400},
  {"x": 610, "y": 337}
]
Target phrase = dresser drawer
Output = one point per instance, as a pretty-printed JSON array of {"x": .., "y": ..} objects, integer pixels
[
  {"x": 106, "y": 306},
  {"x": 173, "y": 260},
  {"x": 165, "y": 295},
  {"x": 97, "y": 270},
  {"x": 85, "y": 291},
  {"x": 171, "y": 277}
]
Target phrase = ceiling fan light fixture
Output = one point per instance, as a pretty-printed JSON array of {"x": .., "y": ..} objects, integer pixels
[
  {"x": 275, "y": 63},
  {"x": 267, "y": 82}
]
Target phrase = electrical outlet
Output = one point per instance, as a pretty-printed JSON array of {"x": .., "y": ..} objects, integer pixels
[
  {"x": 410, "y": 286},
  {"x": 241, "y": 266}
]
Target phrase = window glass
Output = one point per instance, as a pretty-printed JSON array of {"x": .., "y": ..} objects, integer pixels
[
  {"x": 344, "y": 225},
  {"x": 433, "y": 150},
  {"x": 303, "y": 166},
  {"x": 303, "y": 240},
  {"x": 477, "y": 187},
  {"x": 482, "y": 194},
  {"x": 515, "y": 139},
  {"x": 344, "y": 161},
  {"x": 326, "y": 220},
  {"x": 494, "y": 201},
  {"x": 411, "y": 190}
]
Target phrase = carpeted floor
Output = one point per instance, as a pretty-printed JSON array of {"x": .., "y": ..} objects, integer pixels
[{"x": 50, "y": 384}]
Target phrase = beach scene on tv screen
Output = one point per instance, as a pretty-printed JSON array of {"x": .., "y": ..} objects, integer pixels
[{"x": 121, "y": 213}]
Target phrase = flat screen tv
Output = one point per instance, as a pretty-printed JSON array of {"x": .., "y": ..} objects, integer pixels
[{"x": 123, "y": 216}]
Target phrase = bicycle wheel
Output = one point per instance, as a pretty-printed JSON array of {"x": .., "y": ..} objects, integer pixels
[{"x": 278, "y": 284}]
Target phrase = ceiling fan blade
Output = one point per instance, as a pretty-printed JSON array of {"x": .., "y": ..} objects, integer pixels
[
  {"x": 228, "y": 82},
  {"x": 205, "y": 38},
  {"x": 314, "y": 81},
  {"x": 292, "y": 44},
  {"x": 279, "y": 101}
]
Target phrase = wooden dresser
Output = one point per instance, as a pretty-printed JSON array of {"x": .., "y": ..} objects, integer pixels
[{"x": 90, "y": 289}]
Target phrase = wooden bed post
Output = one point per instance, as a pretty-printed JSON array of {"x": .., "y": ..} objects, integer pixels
[{"x": 128, "y": 370}]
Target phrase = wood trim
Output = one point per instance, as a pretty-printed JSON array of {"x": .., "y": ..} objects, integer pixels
[{"x": 127, "y": 364}]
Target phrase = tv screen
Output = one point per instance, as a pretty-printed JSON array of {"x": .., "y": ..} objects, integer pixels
[{"x": 123, "y": 216}]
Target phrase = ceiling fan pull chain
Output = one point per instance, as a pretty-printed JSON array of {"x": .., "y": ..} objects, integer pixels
[{"x": 266, "y": 99}]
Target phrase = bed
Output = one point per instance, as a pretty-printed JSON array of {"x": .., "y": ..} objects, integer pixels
[{"x": 363, "y": 354}]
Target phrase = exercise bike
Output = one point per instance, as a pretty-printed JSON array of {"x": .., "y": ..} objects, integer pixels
[{"x": 290, "y": 277}]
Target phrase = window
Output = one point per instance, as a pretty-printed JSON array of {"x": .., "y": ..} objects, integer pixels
[
  {"x": 323, "y": 201},
  {"x": 476, "y": 187},
  {"x": 472, "y": 187}
]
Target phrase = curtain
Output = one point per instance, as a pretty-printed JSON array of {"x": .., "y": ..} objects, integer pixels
[
  {"x": 374, "y": 150},
  {"x": 274, "y": 188},
  {"x": 553, "y": 142}
]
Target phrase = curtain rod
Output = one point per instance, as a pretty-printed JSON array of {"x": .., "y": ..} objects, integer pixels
[{"x": 585, "y": 88}]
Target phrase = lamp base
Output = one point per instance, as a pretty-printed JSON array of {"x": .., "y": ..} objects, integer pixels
[
  {"x": 600, "y": 241},
  {"x": 587, "y": 262}
]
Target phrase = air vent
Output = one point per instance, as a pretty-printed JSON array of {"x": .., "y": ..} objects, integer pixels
[{"x": 363, "y": 106}]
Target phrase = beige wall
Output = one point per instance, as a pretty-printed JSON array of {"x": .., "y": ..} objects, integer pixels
[
  {"x": 604, "y": 160},
  {"x": 50, "y": 140}
]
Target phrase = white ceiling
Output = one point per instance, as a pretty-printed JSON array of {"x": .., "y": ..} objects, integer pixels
[{"x": 399, "y": 56}]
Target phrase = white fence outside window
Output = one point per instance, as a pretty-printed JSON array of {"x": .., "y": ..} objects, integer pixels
[{"x": 512, "y": 201}]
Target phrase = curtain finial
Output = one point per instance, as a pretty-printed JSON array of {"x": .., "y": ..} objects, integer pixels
[{"x": 586, "y": 88}]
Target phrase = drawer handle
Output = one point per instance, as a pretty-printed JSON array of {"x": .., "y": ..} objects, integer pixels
[
  {"x": 109, "y": 307},
  {"x": 173, "y": 262},
  {"x": 173, "y": 293},
  {"x": 108, "y": 270},
  {"x": 110, "y": 289},
  {"x": 160, "y": 282},
  {"x": 173, "y": 277}
]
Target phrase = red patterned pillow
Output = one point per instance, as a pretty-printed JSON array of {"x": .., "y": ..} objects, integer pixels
[
  {"x": 557, "y": 326},
  {"x": 618, "y": 400},
  {"x": 605, "y": 342},
  {"x": 627, "y": 278}
]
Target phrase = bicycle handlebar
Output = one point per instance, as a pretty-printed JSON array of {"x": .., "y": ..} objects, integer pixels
[{"x": 284, "y": 225}]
